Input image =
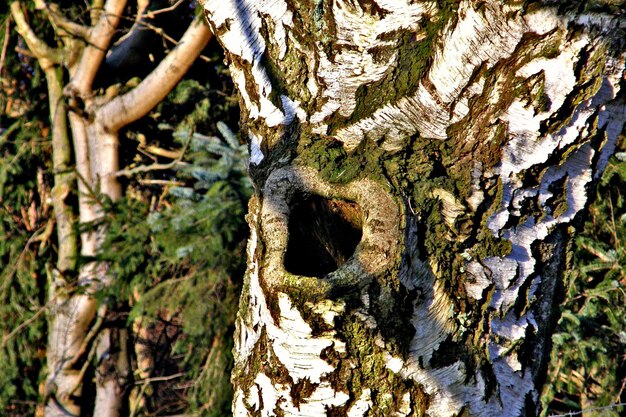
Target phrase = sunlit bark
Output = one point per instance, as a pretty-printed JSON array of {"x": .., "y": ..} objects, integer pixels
[{"x": 457, "y": 141}]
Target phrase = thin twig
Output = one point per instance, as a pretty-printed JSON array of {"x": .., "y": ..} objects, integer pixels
[
  {"x": 155, "y": 167},
  {"x": 614, "y": 228},
  {"x": 164, "y": 10},
  {"x": 146, "y": 168},
  {"x": 595, "y": 252},
  {"x": 145, "y": 383},
  {"x": 586, "y": 410},
  {"x": 27, "y": 323},
  {"x": 159, "y": 378},
  {"x": 195, "y": 414},
  {"x": 58, "y": 20},
  {"x": 134, "y": 405},
  {"x": 25, "y": 52},
  {"x": 38, "y": 47},
  {"x": 588, "y": 295},
  {"x": 8, "y": 277},
  {"x": 159, "y": 182},
  {"x": 155, "y": 150},
  {"x": 6, "y": 45},
  {"x": 619, "y": 394},
  {"x": 143, "y": 25}
]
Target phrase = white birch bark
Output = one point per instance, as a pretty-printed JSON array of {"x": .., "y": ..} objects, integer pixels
[{"x": 469, "y": 134}]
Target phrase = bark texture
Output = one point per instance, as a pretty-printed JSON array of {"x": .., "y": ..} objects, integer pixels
[{"x": 418, "y": 167}]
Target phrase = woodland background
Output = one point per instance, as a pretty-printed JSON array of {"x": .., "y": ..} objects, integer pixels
[{"x": 176, "y": 241}]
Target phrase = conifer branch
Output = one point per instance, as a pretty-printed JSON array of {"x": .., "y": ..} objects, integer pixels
[{"x": 26, "y": 323}]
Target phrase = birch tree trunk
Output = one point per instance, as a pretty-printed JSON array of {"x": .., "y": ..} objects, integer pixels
[
  {"x": 418, "y": 169},
  {"x": 76, "y": 336}
]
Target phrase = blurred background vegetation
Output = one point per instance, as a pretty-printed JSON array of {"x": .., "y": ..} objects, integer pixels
[
  {"x": 176, "y": 245},
  {"x": 176, "y": 241},
  {"x": 588, "y": 360}
]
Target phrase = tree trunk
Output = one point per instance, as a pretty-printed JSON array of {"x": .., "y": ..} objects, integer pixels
[
  {"x": 418, "y": 167},
  {"x": 75, "y": 333}
]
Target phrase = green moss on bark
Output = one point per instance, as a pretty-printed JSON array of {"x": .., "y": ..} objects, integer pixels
[{"x": 367, "y": 369}]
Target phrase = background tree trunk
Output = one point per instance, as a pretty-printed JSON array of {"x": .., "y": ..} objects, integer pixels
[
  {"x": 417, "y": 167},
  {"x": 75, "y": 333}
]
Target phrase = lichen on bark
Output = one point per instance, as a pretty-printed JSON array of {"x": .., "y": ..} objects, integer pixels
[{"x": 466, "y": 134}]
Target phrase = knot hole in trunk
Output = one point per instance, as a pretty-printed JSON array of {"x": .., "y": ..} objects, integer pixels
[{"x": 323, "y": 235}]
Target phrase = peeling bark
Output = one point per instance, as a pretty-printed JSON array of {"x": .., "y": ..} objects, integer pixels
[{"x": 465, "y": 135}]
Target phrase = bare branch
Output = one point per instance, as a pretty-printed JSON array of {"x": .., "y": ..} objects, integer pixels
[
  {"x": 25, "y": 52},
  {"x": 5, "y": 45},
  {"x": 44, "y": 236},
  {"x": 597, "y": 253},
  {"x": 160, "y": 182},
  {"x": 140, "y": 100},
  {"x": 83, "y": 370},
  {"x": 86, "y": 208},
  {"x": 143, "y": 25},
  {"x": 64, "y": 180},
  {"x": 148, "y": 168},
  {"x": 142, "y": 5},
  {"x": 586, "y": 410},
  {"x": 165, "y": 9},
  {"x": 26, "y": 323},
  {"x": 99, "y": 40},
  {"x": 155, "y": 150},
  {"x": 93, "y": 332},
  {"x": 155, "y": 167},
  {"x": 159, "y": 378},
  {"x": 37, "y": 46},
  {"x": 96, "y": 9},
  {"x": 58, "y": 20}
]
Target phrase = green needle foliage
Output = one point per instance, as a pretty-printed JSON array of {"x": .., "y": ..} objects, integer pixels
[
  {"x": 183, "y": 263},
  {"x": 26, "y": 244},
  {"x": 588, "y": 364},
  {"x": 24, "y": 248}
]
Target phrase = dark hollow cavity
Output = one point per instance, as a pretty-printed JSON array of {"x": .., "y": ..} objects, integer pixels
[{"x": 323, "y": 235}]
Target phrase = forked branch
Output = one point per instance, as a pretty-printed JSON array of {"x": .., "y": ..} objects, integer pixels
[
  {"x": 139, "y": 101},
  {"x": 38, "y": 47}
]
